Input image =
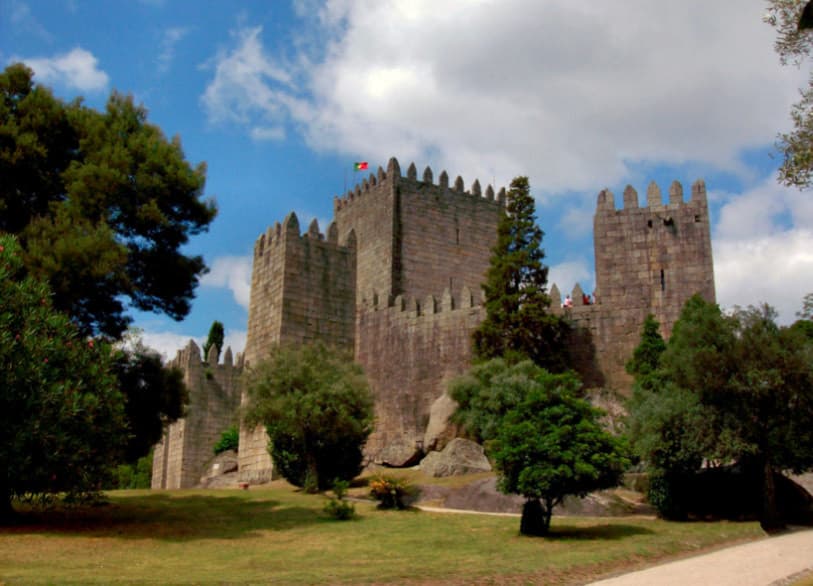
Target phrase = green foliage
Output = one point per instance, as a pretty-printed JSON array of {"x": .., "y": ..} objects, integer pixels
[
  {"x": 551, "y": 445},
  {"x": 138, "y": 475},
  {"x": 215, "y": 338},
  {"x": 155, "y": 396},
  {"x": 229, "y": 440},
  {"x": 739, "y": 389},
  {"x": 317, "y": 408},
  {"x": 645, "y": 360},
  {"x": 338, "y": 507},
  {"x": 62, "y": 416},
  {"x": 102, "y": 202},
  {"x": 490, "y": 390},
  {"x": 793, "y": 46},
  {"x": 393, "y": 493},
  {"x": 518, "y": 324}
]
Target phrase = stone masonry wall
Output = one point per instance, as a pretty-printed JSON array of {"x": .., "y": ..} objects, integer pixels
[
  {"x": 180, "y": 458},
  {"x": 303, "y": 289},
  {"x": 369, "y": 213},
  {"x": 648, "y": 260},
  {"x": 446, "y": 234},
  {"x": 409, "y": 352}
]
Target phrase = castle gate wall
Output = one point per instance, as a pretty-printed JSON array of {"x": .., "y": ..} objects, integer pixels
[{"x": 409, "y": 352}]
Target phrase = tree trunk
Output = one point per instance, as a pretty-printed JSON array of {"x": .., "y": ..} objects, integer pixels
[
  {"x": 7, "y": 514},
  {"x": 535, "y": 519},
  {"x": 770, "y": 519}
]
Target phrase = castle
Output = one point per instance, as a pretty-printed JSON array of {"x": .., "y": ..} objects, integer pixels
[{"x": 396, "y": 280}]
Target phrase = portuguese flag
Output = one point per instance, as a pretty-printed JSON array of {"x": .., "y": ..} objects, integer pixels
[{"x": 360, "y": 166}]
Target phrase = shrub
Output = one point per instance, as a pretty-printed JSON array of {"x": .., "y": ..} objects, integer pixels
[
  {"x": 337, "y": 507},
  {"x": 229, "y": 440},
  {"x": 393, "y": 493}
]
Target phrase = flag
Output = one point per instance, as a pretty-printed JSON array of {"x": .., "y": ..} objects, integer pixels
[{"x": 360, "y": 166}]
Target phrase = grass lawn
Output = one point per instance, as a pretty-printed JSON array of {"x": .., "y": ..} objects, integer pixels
[{"x": 278, "y": 535}]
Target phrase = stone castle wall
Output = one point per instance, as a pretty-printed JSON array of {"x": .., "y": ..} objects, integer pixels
[
  {"x": 410, "y": 350},
  {"x": 303, "y": 289},
  {"x": 649, "y": 259},
  {"x": 179, "y": 459},
  {"x": 396, "y": 279}
]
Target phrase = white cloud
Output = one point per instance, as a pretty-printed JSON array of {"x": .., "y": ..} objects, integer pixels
[
  {"x": 232, "y": 272},
  {"x": 169, "y": 40},
  {"x": 763, "y": 248},
  {"x": 249, "y": 85},
  {"x": 76, "y": 69},
  {"x": 565, "y": 275},
  {"x": 568, "y": 93},
  {"x": 167, "y": 344},
  {"x": 263, "y": 133}
]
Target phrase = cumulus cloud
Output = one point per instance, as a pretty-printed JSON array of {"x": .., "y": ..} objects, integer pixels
[
  {"x": 232, "y": 272},
  {"x": 763, "y": 248},
  {"x": 77, "y": 69},
  {"x": 569, "y": 93}
]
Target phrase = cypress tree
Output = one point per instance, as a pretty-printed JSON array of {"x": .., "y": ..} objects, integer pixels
[{"x": 518, "y": 323}]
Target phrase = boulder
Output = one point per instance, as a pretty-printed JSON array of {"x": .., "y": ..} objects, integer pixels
[
  {"x": 399, "y": 453},
  {"x": 439, "y": 431},
  {"x": 222, "y": 464},
  {"x": 460, "y": 456}
]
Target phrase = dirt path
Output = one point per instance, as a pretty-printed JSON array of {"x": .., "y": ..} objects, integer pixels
[{"x": 759, "y": 563}]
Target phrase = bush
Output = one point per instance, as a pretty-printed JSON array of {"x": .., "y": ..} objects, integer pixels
[
  {"x": 337, "y": 507},
  {"x": 393, "y": 493},
  {"x": 229, "y": 440},
  {"x": 138, "y": 475}
]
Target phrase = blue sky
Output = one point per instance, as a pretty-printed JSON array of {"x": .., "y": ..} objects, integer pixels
[{"x": 279, "y": 98}]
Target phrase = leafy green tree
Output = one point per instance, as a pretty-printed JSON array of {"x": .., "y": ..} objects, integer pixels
[
  {"x": 317, "y": 408},
  {"x": 645, "y": 359},
  {"x": 215, "y": 339},
  {"x": 793, "y": 44},
  {"x": 102, "y": 202},
  {"x": 62, "y": 419},
  {"x": 155, "y": 396},
  {"x": 518, "y": 324},
  {"x": 551, "y": 445},
  {"x": 488, "y": 391},
  {"x": 740, "y": 390}
]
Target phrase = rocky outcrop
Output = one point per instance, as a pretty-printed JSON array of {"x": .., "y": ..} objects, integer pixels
[
  {"x": 439, "y": 431},
  {"x": 399, "y": 453},
  {"x": 221, "y": 471},
  {"x": 460, "y": 456}
]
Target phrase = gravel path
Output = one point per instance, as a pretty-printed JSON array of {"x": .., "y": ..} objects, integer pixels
[{"x": 760, "y": 563}]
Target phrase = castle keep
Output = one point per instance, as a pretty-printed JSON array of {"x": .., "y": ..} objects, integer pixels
[{"x": 396, "y": 279}]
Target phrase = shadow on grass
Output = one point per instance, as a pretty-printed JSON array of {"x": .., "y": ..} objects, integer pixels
[
  {"x": 166, "y": 517},
  {"x": 610, "y": 531}
]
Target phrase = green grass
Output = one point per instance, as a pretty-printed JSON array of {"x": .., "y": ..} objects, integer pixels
[{"x": 282, "y": 536}]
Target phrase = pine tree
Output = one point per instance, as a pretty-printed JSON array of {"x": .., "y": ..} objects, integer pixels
[{"x": 518, "y": 323}]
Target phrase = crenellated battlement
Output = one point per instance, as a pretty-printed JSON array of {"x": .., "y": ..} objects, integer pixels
[
  {"x": 654, "y": 198},
  {"x": 577, "y": 296},
  {"x": 275, "y": 235},
  {"x": 428, "y": 305},
  {"x": 392, "y": 178},
  {"x": 192, "y": 356}
]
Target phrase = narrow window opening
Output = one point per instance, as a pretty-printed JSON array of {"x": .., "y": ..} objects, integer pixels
[
  {"x": 697, "y": 218},
  {"x": 649, "y": 223},
  {"x": 457, "y": 235},
  {"x": 663, "y": 281}
]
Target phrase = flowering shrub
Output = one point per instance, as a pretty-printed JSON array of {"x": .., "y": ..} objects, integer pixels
[{"x": 393, "y": 493}]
